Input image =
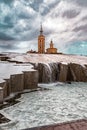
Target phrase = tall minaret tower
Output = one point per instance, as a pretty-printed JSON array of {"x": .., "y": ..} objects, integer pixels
[{"x": 41, "y": 41}]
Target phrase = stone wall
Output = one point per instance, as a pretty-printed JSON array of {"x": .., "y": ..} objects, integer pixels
[
  {"x": 30, "y": 79},
  {"x": 5, "y": 89},
  {"x": 45, "y": 73},
  {"x": 8, "y": 86},
  {"x": 79, "y": 72},
  {"x": 63, "y": 68},
  {"x": 48, "y": 72},
  {"x": 62, "y": 72},
  {"x": 17, "y": 82},
  {"x": 1, "y": 94}
]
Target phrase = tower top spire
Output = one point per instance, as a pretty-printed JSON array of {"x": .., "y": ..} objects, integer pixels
[
  {"x": 51, "y": 41},
  {"x": 41, "y": 30},
  {"x": 51, "y": 44}
]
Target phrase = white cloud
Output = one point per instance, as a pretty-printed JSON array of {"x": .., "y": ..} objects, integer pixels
[{"x": 62, "y": 20}]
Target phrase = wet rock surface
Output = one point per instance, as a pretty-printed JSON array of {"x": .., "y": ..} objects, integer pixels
[
  {"x": 3, "y": 119},
  {"x": 59, "y": 67},
  {"x": 79, "y": 72},
  {"x": 62, "y": 72},
  {"x": 48, "y": 72}
]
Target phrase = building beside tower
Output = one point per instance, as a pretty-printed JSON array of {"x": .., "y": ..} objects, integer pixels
[{"x": 51, "y": 50}]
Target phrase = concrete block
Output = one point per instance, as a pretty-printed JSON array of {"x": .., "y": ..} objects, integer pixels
[
  {"x": 1, "y": 95},
  {"x": 79, "y": 72},
  {"x": 17, "y": 82},
  {"x": 30, "y": 79},
  {"x": 63, "y": 72}
]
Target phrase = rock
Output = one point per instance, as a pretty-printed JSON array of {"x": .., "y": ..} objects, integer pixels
[
  {"x": 62, "y": 72},
  {"x": 17, "y": 82},
  {"x": 79, "y": 72},
  {"x": 3, "y": 119},
  {"x": 54, "y": 71},
  {"x": 8, "y": 86},
  {"x": 30, "y": 79},
  {"x": 63, "y": 68},
  {"x": 1, "y": 95},
  {"x": 44, "y": 73},
  {"x": 48, "y": 72}
]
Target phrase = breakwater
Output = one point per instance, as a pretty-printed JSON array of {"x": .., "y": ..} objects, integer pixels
[
  {"x": 62, "y": 72},
  {"x": 16, "y": 78}
]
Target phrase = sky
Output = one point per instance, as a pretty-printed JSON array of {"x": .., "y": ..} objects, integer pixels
[{"x": 64, "y": 21}]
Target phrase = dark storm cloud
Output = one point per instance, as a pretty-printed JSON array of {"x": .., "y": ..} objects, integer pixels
[
  {"x": 81, "y": 28},
  {"x": 5, "y": 37},
  {"x": 35, "y": 4},
  {"x": 84, "y": 18},
  {"x": 62, "y": 20},
  {"x": 47, "y": 6},
  {"x": 5, "y": 26},
  {"x": 70, "y": 13},
  {"x": 6, "y": 1},
  {"x": 9, "y": 21},
  {"x": 29, "y": 36},
  {"x": 8, "y": 45},
  {"x": 82, "y": 2}
]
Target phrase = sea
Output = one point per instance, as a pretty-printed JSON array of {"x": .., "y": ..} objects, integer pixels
[{"x": 57, "y": 103}]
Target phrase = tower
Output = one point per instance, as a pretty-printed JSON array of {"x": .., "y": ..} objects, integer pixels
[
  {"x": 41, "y": 41},
  {"x": 51, "y": 44},
  {"x": 51, "y": 50}
]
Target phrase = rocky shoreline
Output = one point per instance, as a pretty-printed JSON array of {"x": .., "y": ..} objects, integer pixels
[
  {"x": 3, "y": 119},
  {"x": 58, "y": 67},
  {"x": 27, "y": 70},
  {"x": 61, "y": 72},
  {"x": 45, "y": 70}
]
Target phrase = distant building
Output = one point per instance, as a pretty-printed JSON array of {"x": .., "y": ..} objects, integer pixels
[
  {"x": 31, "y": 51},
  {"x": 51, "y": 50},
  {"x": 41, "y": 45},
  {"x": 41, "y": 42}
]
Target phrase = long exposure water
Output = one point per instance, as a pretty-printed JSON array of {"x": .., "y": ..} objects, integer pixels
[{"x": 61, "y": 103}]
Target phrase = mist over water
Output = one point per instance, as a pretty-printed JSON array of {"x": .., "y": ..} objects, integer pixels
[{"x": 61, "y": 103}]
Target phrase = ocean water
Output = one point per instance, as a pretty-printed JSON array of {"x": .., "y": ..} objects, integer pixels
[{"x": 60, "y": 103}]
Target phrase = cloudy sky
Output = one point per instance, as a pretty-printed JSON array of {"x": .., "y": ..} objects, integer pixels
[{"x": 64, "y": 21}]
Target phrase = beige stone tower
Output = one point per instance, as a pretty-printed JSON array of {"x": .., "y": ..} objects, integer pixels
[
  {"x": 51, "y": 50},
  {"x": 41, "y": 41}
]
